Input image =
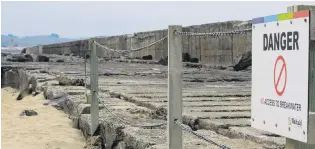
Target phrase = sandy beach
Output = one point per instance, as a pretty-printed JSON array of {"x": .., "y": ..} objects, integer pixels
[{"x": 50, "y": 129}]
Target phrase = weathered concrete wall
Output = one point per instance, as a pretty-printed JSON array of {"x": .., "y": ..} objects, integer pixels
[
  {"x": 75, "y": 47},
  {"x": 34, "y": 50},
  {"x": 217, "y": 51}
]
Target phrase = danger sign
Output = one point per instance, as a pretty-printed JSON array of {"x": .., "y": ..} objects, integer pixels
[
  {"x": 282, "y": 75},
  {"x": 280, "y": 58}
]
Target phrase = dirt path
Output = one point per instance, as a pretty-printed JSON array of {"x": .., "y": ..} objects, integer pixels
[{"x": 50, "y": 129}]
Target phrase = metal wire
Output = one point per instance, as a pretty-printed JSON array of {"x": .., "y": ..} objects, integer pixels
[
  {"x": 132, "y": 50},
  {"x": 128, "y": 123},
  {"x": 187, "y": 129},
  {"x": 214, "y": 34}
]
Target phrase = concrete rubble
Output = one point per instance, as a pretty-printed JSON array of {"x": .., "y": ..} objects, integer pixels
[{"x": 216, "y": 103}]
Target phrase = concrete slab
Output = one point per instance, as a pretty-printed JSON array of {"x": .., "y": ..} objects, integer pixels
[
  {"x": 218, "y": 109},
  {"x": 219, "y": 106},
  {"x": 256, "y": 135},
  {"x": 217, "y": 115},
  {"x": 216, "y": 124}
]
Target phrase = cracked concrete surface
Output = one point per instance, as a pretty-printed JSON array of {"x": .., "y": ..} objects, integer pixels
[{"x": 217, "y": 106}]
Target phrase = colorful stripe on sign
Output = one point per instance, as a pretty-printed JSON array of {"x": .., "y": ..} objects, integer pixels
[{"x": 281, "y": 17}]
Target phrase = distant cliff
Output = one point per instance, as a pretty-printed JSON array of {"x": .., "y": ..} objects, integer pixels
[{"x": 11, "y": 40}]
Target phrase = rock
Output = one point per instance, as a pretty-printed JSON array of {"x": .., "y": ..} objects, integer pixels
[
  {"x": 60, "y": 60},
  {"x": 66, "y": 81},
  {"x": 147, "y": 57},
  {"x": 190, "y": 65},
  {"x": 185, "y": 57},
  {"x": 32, "y": 84},
  {"x": 28, "y": 113},
  {"x": 56, "y": 100},
  {"x": 35, "y": 93},
  {"x": 43, "y": 71},
  {"x": 4, "y": 54},
  {"x": 96, "y": 141},
  {"x": 42, "y": 58},
  {"x": 17, "y": 58},
  {"x": 29, "y": 57},
  {"x": 121, "y": 145},
  {"x": 22, "y": 95},
  {"x": 163, "y": 61},
  {"x": 74, "y": 55},
  {"x": 159, "y": 113},
  {"x": 194, "y": 60},
  {"x": 243, "y": 61},
  {"x": 24, "y": 50}
]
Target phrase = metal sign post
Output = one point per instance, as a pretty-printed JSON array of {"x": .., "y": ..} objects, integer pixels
[
  {"x": 174, "y": 88},
  {"x": 94, "y": 86}
]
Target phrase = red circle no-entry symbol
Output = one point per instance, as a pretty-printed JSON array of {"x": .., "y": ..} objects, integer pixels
[{"x": 280, "y": 75}]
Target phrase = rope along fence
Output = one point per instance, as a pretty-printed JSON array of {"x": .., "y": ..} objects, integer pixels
[{"x": 132, "y": 50}]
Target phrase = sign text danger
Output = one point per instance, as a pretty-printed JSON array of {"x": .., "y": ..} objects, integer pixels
[{"x": 283, "y": 41}]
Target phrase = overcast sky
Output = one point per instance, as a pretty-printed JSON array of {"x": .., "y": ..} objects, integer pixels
[{"x": 86, "y": 19}]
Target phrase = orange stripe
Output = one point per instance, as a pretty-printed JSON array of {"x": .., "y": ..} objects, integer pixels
[{"x": 301, "y": 14}]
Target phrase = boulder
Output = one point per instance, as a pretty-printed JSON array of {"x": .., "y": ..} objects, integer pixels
[
  {"x": 28, "y": 113},
  {"x": 29, "y": 57},
  {"x": 24, "y": 50},
  {"x": 17, "y": 58},
  {"x": 68, "y": 81},
  {"x": 42, "y": 58},
  {"x": 163, "y": 61},
  {"x": 22, "y": 95},
  {"x": 147, "y": 57},
  {"x": 30, "y": 89},
  {"x": 194, "y": 60},
  {"x": 185, "y": 57},
  {"x": 60, "y": 60},
  {"x": 4, "y": 54},
  {"x": 243, "y": 61}
]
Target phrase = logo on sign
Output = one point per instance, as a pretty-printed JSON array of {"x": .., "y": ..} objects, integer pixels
[
  {"x": 280, "y": 75},
  {"x": 295, "y": 122}
]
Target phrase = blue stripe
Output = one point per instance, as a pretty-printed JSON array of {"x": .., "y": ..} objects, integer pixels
[
  {"x": 272, "y": 18},
  {"x": 258, "y": 20}
]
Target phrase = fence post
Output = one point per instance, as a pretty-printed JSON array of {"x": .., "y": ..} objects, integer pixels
[
  {"x": 174, "y": 88},
  {"x": 94, "y": 86}
]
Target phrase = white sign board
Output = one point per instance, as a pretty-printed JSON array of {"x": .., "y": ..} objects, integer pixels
[{"x": 280, "y": 57}]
